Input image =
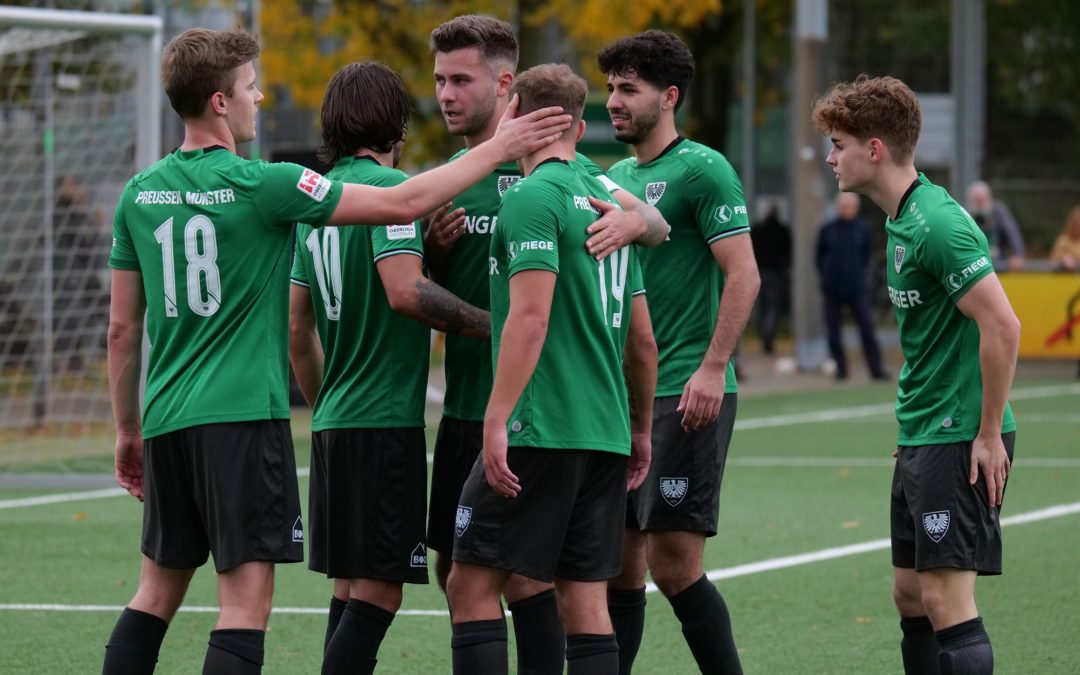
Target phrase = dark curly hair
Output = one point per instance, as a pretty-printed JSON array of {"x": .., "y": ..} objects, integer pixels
[{"x": 655, "y": 56}]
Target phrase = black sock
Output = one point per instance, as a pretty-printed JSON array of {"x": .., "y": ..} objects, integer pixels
[
  {"x": 356, "y": 641},
  {"x": 480, "y": 647},
  {"x": 337, "y": 608},
  {"x": 592, "y": 654},
  {"x": 234, "y": 651},
  {"x": 541, "y": 643},
  {"x": 627, "y": 611},
  {"x": 919, "y": 647},
  {"x": 706, "y": 625},
  {"x": 965, "y": 649},
  {"x": 134, "y": 643}
]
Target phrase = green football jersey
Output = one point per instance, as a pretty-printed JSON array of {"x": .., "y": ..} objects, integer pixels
[
  {"x": 701, "y": 197},
  {"x": 375, "y": 360},
  {"x": 935, "y": 254},
  {"x": 576, "y": 397},
  {"x": 468, "y": 360},
  {"x": 210, "y": 234}
]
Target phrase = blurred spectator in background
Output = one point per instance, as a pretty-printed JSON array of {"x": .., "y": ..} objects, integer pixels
[
  {"x": 1066, "y": 250},
  {"x": 997, "y": 223},
  {"x": 843, "y": 258},
  {"x": 772, "y": 250}
]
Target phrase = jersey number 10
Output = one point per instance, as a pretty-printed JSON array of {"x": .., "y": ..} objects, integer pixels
[{"x": 326, "y": 259}]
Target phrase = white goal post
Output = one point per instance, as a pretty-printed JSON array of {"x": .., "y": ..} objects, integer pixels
[{"x": 80, "y": 113}]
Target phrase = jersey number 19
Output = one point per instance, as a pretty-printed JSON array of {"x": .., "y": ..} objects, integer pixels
[{"x": 620, "y": 261}]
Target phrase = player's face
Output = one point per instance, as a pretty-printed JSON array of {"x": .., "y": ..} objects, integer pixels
[
  {"x": 467, "y": 91},
  {"x": 634, "y": 107},
  {"x": 850, "y": 162},
  {"x": 244, "y": 104}
]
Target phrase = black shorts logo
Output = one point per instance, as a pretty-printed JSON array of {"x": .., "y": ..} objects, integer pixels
[
  {"x": 673, "y": 489},
  {"x": 298, "y": 530},
  {"x": 418, "y": 557},
  {"x": 462, "y": 520},
  {"x": 936, "y": 524}
]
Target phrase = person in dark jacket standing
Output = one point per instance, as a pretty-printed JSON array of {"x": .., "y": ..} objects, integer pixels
[{"x": 843, "y": 256}]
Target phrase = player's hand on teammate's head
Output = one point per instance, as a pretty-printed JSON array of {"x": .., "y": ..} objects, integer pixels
[
  {"x": 614, "y": 229},
  {"x": 517, "y": 137},
  {"x": 443, "y": 227}
]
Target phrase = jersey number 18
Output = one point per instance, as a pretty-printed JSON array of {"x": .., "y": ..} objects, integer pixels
[{"x": 201, "y": 266}]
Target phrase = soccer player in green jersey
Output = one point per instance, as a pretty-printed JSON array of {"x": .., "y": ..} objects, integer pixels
[
  {"x": 361, "y": 358},
  {"x": 201, "y": 250},
  {"x": 702, "y": 284},
  {"x": 960, "y": 337},
  {"x": 475, "y": 60},
  {"x": 547, "y": 499}
]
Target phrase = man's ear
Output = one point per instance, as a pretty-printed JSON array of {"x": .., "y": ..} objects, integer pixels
[
  {"x": 876, "y": 149},
  {"x": 580, "y": 130},
  {"x": 669, "y": 98},
  {"x": 503, "y": 82},
  {"x": 217, "y": 104}
]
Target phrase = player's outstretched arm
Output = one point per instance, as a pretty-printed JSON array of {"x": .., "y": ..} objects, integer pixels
[
  {"x": 305, "y": 350},
  {"x": 999, "y": 340},
  {"x": 514, "y": 138},
  {"x": 127, "y": 307},
  {"x": 522, "y": 340},
  {"x": 639, "y": 359},
  {"x": 704, "y": 391},
  {"x": 410, "y": 293},
  {"x": 636, "y": 223}
]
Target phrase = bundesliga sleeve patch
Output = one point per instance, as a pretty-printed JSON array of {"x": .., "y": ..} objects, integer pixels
[
  {"x": 395, "y": 232},
  {"x": 313, "y": 185}
]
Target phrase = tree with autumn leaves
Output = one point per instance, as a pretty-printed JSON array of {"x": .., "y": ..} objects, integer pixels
[{"x": 306, "y": 41}]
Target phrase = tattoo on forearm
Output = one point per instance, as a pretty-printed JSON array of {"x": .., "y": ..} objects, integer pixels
[{"x": 449, "y": 313}]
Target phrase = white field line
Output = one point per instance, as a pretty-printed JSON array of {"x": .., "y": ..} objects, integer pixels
[
  {"x": 713, "y": 575},
  {"x": 1021, "y": 463},
  {"x": 831, "y": 415}
]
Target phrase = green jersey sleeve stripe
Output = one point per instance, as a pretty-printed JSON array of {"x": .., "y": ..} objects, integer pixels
[
  {"x": 535, "y": 265},
  {"x": 398, "y": 251},
  {"x": 638, "y": 292},
  {"x": 729, "y": 233},
  {"x": 300, "y": 282}
]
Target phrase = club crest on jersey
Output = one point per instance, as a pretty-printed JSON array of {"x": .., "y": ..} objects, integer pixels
[
  {"x": 673, "y": 489},
  {"x": 898, "y": 257},
  {"x": 936, "y": 524},
  {"x": 298, "y": 530},
  {"x": 418, "y": 558},
  {"x": 505, "y": 182},
  {"x": 654, "y": 191},
  {"x": 313, "y": 185},
  {"x": 462, "y": 519}
]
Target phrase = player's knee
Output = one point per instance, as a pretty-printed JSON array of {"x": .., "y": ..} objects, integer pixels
[
  {"x": 908, "y": 601},
  {"x": 934, "y": 600},
  {"x": 521, "y": 588}
]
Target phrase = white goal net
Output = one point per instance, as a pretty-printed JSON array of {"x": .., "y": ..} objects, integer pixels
[{"x": 79, "y": 115}]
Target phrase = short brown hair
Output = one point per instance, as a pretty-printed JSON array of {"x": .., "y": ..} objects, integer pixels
[
  {"x": 365, "y": 106},
  {"x": 548, "y": 85},
  {"x": 199, "y": 62},
  {"x": 873, "y": 107},
  {"x": 494, "y": 38}
]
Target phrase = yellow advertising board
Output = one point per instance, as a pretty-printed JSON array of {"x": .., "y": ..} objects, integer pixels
[{"x": 1048, "y": 305}]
